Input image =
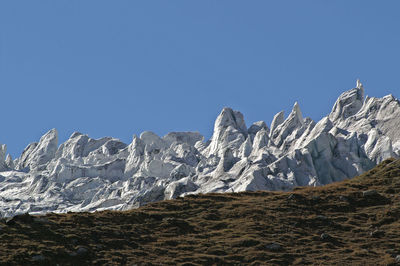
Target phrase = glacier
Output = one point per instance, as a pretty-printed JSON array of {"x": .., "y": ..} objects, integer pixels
[{"x": 85, "y": 174}]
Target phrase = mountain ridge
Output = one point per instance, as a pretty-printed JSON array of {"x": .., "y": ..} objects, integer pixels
[{"x": 85, "y": 174}]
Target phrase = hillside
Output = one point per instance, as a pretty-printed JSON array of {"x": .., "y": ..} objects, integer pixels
[{"x": 350, "y": 222}]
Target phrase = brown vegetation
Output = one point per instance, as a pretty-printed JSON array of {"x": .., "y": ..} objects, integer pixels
[{"x": 346, "y": 223}]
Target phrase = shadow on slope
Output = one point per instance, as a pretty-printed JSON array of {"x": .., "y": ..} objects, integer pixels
[{"x": 351, "y": 222}]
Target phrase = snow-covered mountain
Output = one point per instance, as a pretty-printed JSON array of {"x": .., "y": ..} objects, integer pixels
[{"x": 85, "y": 174}]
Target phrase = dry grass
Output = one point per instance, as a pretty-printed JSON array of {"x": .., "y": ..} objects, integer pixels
[{"x": 224, "y": 229}]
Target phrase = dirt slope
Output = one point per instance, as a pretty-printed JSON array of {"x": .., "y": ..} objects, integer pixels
[{"x": 346, "y": 223}]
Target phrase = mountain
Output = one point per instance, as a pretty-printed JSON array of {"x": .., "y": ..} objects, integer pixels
[
  {"x": 85, "y": 174},
  {"x": 353, "y": 222}
]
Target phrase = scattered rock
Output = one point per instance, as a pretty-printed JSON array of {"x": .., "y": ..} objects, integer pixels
[
  {"x": 273, "y": 246},
  {"x": 397, "y": 259},
  {"x": 343, "y": 198},
  {"x": 295, "y": 197},
  {"x": 325, "y": 236},
  {"x": 322, "y": 217},
  {"x": 369, "y": 193},
  {"x": 377, "y": 233},
  {"x": 81, "y": 251},
  {"x": 38, "y": 258},
  {"x": 291, "y": 197},
  {"x": 99, "y": 246}
]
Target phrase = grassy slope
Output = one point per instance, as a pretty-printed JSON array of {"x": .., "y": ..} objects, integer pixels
[{"x": 225, "y": 228}]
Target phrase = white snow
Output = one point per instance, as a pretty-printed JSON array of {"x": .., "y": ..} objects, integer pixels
[{"x": 85, "y": 174}]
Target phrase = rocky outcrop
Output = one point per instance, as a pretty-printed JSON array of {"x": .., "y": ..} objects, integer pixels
[
  {"x": 3, "y": 164},
  {"x": 290, "y": 129},
  {"x": 348, "y": 104},
  {"x": 85, "y": 174},
  {"x": 230, "y": 131},
  {"x": 37, "y": 154}
]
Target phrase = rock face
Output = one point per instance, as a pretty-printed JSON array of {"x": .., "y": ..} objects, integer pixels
[
  {"x": 85, "y": 174},
  {"x": 37, "y": 154},
  {"x": 3, "y": 164}
]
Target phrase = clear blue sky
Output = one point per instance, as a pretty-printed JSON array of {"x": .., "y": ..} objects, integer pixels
[{"x": 117, "y": 68}]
